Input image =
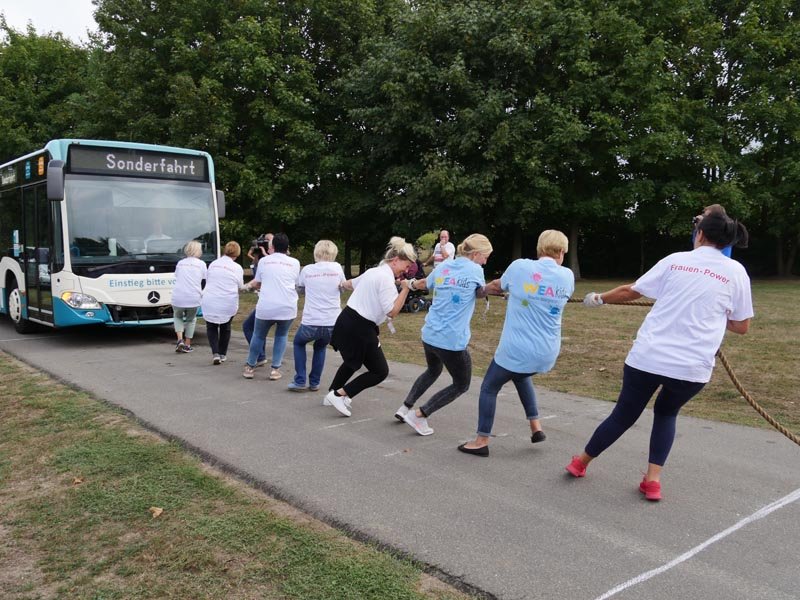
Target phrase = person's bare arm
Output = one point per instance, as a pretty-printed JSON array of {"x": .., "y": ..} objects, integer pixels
[
  {"x": 399, "y": 302},
  {"x": 490, "y": 289},
  {"x": 739, "y": 327}
]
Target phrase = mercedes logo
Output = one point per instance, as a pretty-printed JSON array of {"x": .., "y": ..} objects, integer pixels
[{"x": 153, "y": 297}]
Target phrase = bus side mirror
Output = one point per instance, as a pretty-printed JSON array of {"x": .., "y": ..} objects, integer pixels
[
  {"x": 55, "y": 180},
  {"x": 221, "y": 204}
]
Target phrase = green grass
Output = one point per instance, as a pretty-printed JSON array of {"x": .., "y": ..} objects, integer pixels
[
  {"x": 596, "y": 341},
  {"x": 77, "y": 480}
]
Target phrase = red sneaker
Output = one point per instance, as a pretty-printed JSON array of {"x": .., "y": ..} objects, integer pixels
[
  {"x": 576, "y": 468},
  {"x": 651, "y": 490}
]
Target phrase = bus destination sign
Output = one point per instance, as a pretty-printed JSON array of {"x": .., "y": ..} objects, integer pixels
[{"x": 96, "y": 160}]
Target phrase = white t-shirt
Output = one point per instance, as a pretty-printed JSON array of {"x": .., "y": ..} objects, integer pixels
[
  {"x": 696, "y": 293},
  {"x": 323, "y": 298},
  {"x": 374, "y": 293},
  {"x": 189, "y": 275},
  {"x": 277, "y": 298},
  {"x": 437, "y": 252},
  {"x": 221, "y": 295}
]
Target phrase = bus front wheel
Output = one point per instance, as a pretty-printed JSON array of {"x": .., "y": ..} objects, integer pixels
[{"x": 21, "y": 324}]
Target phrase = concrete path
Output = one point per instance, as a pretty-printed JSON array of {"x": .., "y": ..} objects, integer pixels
[{"x": 514, "y": 525}]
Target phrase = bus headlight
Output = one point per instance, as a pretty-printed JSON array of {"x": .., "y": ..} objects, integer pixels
[{"x": 78, "y": 300}]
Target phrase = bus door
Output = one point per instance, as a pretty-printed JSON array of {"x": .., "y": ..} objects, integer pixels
[{"x": 38, "y": 252}]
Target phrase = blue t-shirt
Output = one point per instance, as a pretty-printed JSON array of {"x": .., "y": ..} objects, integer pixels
[
  {"x": 538, "y": 291},
  {"x": 453, "y": 283}
]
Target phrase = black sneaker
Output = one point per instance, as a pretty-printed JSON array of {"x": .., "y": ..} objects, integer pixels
[
  {"x": 179, "y": 346},
  {"x": 538, "y": 436},
  {"x": 187, "y": 349}
]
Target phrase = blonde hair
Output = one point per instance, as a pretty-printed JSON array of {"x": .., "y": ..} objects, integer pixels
[
  {"x": 399, "y": 248},
  {"x": 325, "y": 250},
  {"x": 193, "y": 249},
  {"x": 232, "y": 249},
  {"x": 552, "y": 243},
  {"x": 477, "y": 242}
]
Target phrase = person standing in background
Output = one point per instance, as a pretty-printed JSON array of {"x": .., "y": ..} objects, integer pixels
[
  {"x": 258, "y": 250},
  {"x": 190, "y": 273},
  {"x": 443, "y": 250},
  {"x": 250, "y": 322}
]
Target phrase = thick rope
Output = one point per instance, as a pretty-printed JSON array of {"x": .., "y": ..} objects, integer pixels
[{"x": 736, "y": 383}]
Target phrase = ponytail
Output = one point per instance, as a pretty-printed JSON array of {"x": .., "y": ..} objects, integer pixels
[
  {"x": 722, "y": 231},
  {"x": 399, "y": 248},
  {"x": 474, "y": 243}
]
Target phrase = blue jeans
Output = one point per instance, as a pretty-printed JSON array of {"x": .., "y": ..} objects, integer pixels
[
  {"x": 321, "y": 336},
  {"x": 259, "y": 340},
  {"x": 496, "y": 377},
  {"x": 247, "y": 328}
]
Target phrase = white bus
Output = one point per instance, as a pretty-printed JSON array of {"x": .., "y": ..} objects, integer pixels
[{"x": 90, "y": 231}]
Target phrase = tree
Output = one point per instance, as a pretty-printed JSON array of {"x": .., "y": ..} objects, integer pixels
[
  {"x": 768, "y": 111},
  {"x": 41, "y": 79}
]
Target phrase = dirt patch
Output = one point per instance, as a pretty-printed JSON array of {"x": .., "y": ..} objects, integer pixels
[{"x": 20, "y": 574}]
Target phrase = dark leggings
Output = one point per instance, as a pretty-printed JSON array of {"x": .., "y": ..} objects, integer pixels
[
  {"x": 219, "y": 335},
  {"x": 457, "y": 362},
  {"x": 356, "y": 339},
  {"x": 637, "y": 389}
]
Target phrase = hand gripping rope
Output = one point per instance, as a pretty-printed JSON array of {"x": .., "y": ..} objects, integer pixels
[{"x": 737, "y": 384}]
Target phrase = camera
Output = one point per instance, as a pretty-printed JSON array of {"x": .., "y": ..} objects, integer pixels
[{"x": 696, "y": 220}]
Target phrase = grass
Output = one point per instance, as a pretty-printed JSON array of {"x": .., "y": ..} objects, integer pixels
[
  {"x": 78, "y": 479},
  {"x": 595, "y": 343}
]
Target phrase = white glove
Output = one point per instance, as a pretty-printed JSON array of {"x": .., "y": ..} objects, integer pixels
[{"x": 592, "y": 300}]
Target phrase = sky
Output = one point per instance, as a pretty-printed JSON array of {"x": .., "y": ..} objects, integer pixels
[{"x": 70, "y": 17}]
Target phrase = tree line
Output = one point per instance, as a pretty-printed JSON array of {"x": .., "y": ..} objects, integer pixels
[{"x": 614, "y": 121}]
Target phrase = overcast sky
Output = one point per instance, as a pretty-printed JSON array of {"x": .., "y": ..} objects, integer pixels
[{"x": 70, "y": 17}]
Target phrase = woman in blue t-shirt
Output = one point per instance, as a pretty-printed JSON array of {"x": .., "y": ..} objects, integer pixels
[
  {"x": 531, "y": 338},
  {"x": 445, "y": 335}
]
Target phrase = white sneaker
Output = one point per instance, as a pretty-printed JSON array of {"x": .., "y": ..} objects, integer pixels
[
  {"x": 347, "y": 401},
  {"x": 420, "y": 424},
  {"x": 401, "y": 413},
  {"x": 338, "y": 402}
]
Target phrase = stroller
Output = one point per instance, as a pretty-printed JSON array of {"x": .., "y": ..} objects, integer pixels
[{"x": 416, "y": 300}]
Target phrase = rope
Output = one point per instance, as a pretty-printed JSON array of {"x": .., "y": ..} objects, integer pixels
[
  {"x": 758, "y": 408},
  {"x": 736, "y": 383}
]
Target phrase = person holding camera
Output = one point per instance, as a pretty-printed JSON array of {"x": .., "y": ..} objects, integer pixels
[
  {"x": 258, "y": 250},
  {"x": 265, "y": 249}
]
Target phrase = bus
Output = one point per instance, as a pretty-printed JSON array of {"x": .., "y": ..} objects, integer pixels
[{"x": 91, "y": 231}]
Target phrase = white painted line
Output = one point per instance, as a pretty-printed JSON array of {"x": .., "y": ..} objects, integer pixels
[
  {"x": 759, "y": 514},
  {"x": 548, "y": 417},
  {"x": 347, "y": 423},
  {"x": 24, "y": 339},
  {"x": 392, "y": 454},
  {"x": 181, "y": 374}
]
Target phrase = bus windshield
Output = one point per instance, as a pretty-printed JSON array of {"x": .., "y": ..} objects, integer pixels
[{"x": 119, "y": 224}]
